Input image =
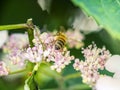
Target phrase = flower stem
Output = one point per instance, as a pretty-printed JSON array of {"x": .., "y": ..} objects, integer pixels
[
  {"x": 71, "y": 76},
  {"x": 18, "y": 71},
  {"x": 14, "y": 26},
  {"x": 79, "y": 87},
  {"x": 30, "y": 31},
  {"x": 61, "y": 84},
  {"x": 29, "y": 26}
]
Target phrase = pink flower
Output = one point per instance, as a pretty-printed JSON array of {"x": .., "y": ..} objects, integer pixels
[
  {"x": 13, "y": 48},
  {"x": 34, "y": 54},
  {"x": 3, "y": 69},
  {"x": 76, "y": 65},
  {"x": 95, "y": 59},
  {"x": 59, "y": 58},
  {"x": 60, "y": 61},
  {"x": 16, "y": 57},
  {"x": 43, "y": 50},
  {"x": 107, "y": 82},
  {"x": 16, "y": 41},
  {"x": 75, "y": 38}
]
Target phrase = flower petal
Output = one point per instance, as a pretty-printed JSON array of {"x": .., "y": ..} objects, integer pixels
[
  {"x": 113, "y": 64},
  {"x": 4, "y": 37},
  {"x": 45, "y": 4},
  {"x": 108, "y": 83},
  {"x": 117, "y": 75}
]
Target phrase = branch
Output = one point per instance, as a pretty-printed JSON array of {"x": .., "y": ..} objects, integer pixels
[
  {"x": 14, "y": 26},
  {"x": 30, "y": 31}
]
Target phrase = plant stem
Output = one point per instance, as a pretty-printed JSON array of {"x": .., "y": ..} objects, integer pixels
[
  {"x": 71, "y": 76},
  {"x": 79, "y": 87},
  {"x": 14, "y": 26},
  {"x": 30, "y": 31},
  {"x": 19, "y": 71},
  {"x": 30, "y": 36},
  {"x": 61, "y": 84},
  {"x": 29, "y": 26}
]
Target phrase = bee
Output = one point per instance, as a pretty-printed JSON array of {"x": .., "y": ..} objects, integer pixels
[{"x": 60, "y": 40}]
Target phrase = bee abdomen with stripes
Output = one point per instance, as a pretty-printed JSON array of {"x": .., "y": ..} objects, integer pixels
[{"x": 60, "y": 41}]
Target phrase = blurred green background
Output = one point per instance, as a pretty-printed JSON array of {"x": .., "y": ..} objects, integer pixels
[{"x": 18, "y": 11}]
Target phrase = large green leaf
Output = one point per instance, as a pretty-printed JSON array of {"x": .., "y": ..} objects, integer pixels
[{"x": 106, "y": 13}]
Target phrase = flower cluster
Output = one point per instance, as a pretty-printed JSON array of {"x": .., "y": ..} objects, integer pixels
[
  {"x": 18, "y": 50},
  {"x": 16, "y": 41},
  {"x": 107, "y": 82},
  {"x": 3, "y": 69},
  {"x": 14, "y": 48},
  {"x": 13, "y": 51},
  {"x": 44, "y": 49},
  {"x": 34, "y": 54},
  {"x": 61, "y": 60},
  {"x": 17, "y": 58},
  {"x": 75, "y": 38},
  {"x": 95, "y": 59}
]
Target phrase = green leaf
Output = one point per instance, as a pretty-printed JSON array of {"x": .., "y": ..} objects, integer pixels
[
  {"x": 26, "y": 86},
  {"x": 30, "y": 84},
  {"x": 79, "y": 87},
  {"x": 42, "y": 79},
  {"x": 106, "y": 13},
  {"x": 44, "y": 76}
]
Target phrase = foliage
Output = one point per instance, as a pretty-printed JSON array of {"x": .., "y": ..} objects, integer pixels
[
  {"x": 40, "y": 65},
  {"x": 106, "y": 13}
]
